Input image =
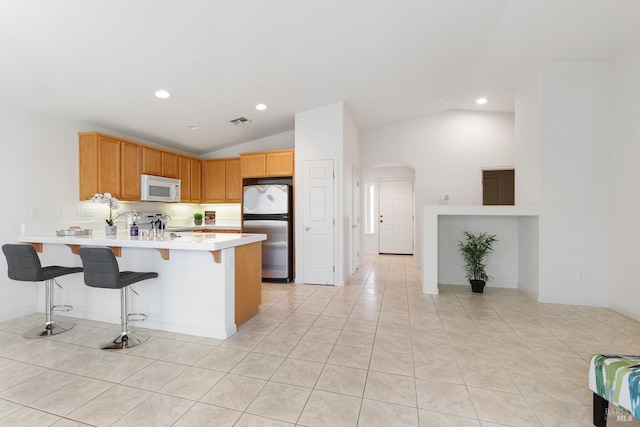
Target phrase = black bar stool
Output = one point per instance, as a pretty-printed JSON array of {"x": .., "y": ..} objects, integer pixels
[
  {"x": 24, "y": 265},
  {"x": 101, "y": 271}
]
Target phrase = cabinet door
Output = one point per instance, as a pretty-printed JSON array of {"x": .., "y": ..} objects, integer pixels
[
  {"x": 170, "y": 167},
  {"x": 151, "y": 161},
  {"x": 213, "y": 181},
  {"x": 253, "y": 165},
  {"x": 196, "y": 180},
  {"x": 109, "y": 166},
  {"x": 233, "y": 181},
  {"x": 131, "y": 167},
  {"x": 88, "y": 165},
  {"x": 280, "y": 163},
  {"x": 184, "y": 174}
]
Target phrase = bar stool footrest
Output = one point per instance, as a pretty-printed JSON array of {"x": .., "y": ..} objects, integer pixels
[{"x": 136, "y": 317}]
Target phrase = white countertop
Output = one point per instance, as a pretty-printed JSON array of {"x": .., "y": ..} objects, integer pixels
[
  {"x": 185, "y": 241},
  {"x": 202, "y": 227}
]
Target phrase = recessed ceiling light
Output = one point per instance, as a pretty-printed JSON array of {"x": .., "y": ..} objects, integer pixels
[
  {"x": 162, "y": 94},
  {"x": 481, "y": 101},
  {"x": 261, "y": 107},
  {"x": 194, "y": 127}
]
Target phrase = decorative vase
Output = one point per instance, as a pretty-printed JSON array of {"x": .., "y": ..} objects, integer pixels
[
  {"x": 110, "y": 230},
  {"x": 197, "y": 221},
  {"x": 477, "y": 286}
]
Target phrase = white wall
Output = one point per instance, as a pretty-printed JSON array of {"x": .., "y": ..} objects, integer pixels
[
  {"x": 527, "y": 146},
  {"x": 281, "y": 141},
  {"x": 502, "y": 264},
  {"x": 351, "y": 153},
  {"x": 447, "y": 152},
  {"x": 574, "y": 207},
  {"x": 319, "y": 135},
  {"x": 624, "y": 283},
  {"x": 40, "y": 170}
]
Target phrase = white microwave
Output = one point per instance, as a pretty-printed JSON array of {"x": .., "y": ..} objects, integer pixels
[{"x": 159, "y": 189}]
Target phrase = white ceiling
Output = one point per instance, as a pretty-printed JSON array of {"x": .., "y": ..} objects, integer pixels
[{"x": 388, "y": 60}]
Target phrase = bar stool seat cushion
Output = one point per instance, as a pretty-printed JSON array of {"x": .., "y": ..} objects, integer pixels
[
  {"x": 102, "y": 270},
  {"x": 24, "y": 265}
]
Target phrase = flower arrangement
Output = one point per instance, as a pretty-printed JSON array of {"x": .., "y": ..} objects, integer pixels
[{"x": 107, "y": 198}]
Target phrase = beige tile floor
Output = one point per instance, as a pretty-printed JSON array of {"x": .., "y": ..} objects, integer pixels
[{"x": 376, "y": 352}]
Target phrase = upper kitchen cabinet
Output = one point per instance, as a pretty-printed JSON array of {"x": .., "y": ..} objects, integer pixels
[
  {"x": 233, "y": 181},
  {"x": 196, "y": 180},
  {"x": 151, "y": 161},
  {"x": 131, "y": 169},
  {"x": 189, "y": 175},
  {"x": 221, "y": 181},
  {"x": 267, "y": 164},
  {"x": 160, "y": 163},
  {"x": 213, "y": 181},
  {"x": 170, "y": 167},
  {"x": 253, "y": 165},
  {"x": 99, "y": 165},
  {"x": 280, "y": 163},
  {"x": 184, "y": 174}
]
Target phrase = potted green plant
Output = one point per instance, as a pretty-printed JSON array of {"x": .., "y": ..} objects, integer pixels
[
  {"x": 197, "y": 218},
  {"x": 473, "y": 251}
]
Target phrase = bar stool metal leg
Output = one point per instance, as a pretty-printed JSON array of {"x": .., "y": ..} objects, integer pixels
[
  {"x": 50, "y": 327},
  {"x": 127, "y": 339}
]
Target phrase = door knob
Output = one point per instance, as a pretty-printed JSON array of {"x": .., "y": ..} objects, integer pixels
[{"x": 307, "y": 228}]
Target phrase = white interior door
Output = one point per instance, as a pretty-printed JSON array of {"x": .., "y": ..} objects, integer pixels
[
  {"x": 318, "y": 223},
  {"x": 395, "y": 206}
]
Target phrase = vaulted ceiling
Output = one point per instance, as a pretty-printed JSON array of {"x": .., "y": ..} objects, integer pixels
[{"x": 388, "y": 60}]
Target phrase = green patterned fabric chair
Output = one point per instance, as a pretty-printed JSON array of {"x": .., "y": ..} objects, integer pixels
[{"x": 615, "y": 379}]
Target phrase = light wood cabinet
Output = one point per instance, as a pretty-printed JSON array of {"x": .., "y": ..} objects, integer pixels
[
  {"x": 221, "y": 181},
  {"x": 109, "y": 159},
  {"x": 189, "y": 175},
  {"x": 160, "y": 163},
  {"x": 196, "y": 180},
  {"x": 114, "y": 165},
  {"x": 151, "y": 161},
  {"x": 280, "y": 163},
  {"x": 100, "y": 165},
  {"x": 267, "y": 164},
  {"x": 170, "y": 167},
  {"x": 213, "y": 181},
  {"x": 131, "y": 169},
  {"x": 253, "y": 165},
  {"x": 184, "y": 174},
  {"x": 233, "y": 181},
  {"x": 248, "y": 289}
]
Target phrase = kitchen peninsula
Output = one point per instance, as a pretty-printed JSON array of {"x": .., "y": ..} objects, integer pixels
[{"x": 208, "y": 284}]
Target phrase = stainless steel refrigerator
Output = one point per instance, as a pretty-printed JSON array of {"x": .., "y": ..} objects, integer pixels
[{"x": 267, "y": 209}]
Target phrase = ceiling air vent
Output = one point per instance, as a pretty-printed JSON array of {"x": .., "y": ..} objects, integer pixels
[{"x": 240, "y": 121}]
